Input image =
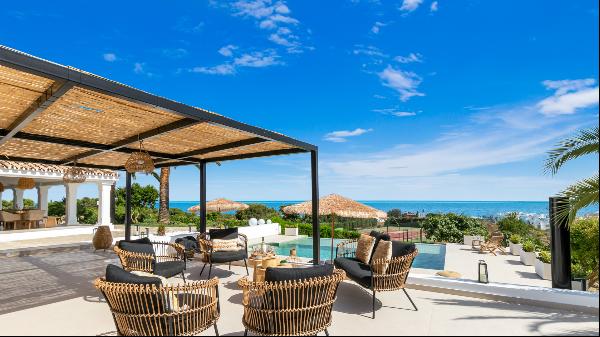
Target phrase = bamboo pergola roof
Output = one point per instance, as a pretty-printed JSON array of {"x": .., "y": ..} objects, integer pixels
[
  {"x": 335, "y": 204},
  {"x": 58, "y": 115}
]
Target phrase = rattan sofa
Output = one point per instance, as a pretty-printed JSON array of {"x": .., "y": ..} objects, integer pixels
[
  {"x": 142, "y": 306},
  {"x": 290, "y": 305},
  {"x": 210, "y": 255},
  {"x": 363, "y": 274},
  {"x": 159, "y": 258}
]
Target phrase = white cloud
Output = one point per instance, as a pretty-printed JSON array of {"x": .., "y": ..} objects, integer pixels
[
  {"x": 140, "y": 69},
  {"x": 109, "y": 57},
  {"x": 221, "y": 69},
  {"x": 273, "y": 16},
  {"x": 410, "y": 58},
  {"x": 569, "y": 96},
  {"x": 404, "y": 82},
  {"x": 341, "y": 136},
  {"x": 434, "y": 6},
  {"x": 377, "y": 27},
  {"x": 410, "y": 5},
  {"x": 395, "y": 112},
  {"x": 256, "y": 59},
  {"x": 369, "y": 51},
  {"x": 450, "y": 155},
  {"x": 227, "y": 50}
]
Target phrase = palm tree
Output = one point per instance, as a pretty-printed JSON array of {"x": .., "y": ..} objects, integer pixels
[
  {"x": 163, "y": 205},
  {"x": 584, "y": 192}
]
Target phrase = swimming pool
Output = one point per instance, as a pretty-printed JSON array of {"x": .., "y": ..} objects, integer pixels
[{"x": 430, "y": 256}]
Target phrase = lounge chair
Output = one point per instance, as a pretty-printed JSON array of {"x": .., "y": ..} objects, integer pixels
[
  {"x": 211, "y": 253},
  {"x": 492, "y": 245},
  {"x": 143, "y": 306},
  {"x": 159, "y": 258},
  {"x": 365, "y": 275},
  {"x": 291, "y": 302}
]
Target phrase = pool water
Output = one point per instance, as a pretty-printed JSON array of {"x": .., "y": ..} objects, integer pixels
[{"x": 430, "y": 256}]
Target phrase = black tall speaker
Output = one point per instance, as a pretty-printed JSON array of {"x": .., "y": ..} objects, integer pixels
[{"x": 560, "y": 244}]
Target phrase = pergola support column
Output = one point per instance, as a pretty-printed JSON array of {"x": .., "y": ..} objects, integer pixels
[
  {"x": 128, "y": 206},
  {"x": 202, "y": 168},
  {"x": 104, "y": 195},
  {"x": 71, "y": 204},
  {"x": 316, "y": 226}
]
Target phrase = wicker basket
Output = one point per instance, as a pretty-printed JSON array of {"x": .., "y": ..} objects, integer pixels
[{"x": 102, "y": 238}]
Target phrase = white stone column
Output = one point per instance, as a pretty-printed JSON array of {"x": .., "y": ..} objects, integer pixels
[
  {"x": 18, "y": 204},
  {"x": 104, "y": 188},
  {"x": 71, "y": 204},
  {"x": 43, "y": 198}
]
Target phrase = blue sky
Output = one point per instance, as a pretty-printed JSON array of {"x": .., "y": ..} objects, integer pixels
[{"x": 406, "y": 99}]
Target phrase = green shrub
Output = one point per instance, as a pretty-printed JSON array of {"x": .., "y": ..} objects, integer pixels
[
  {"x": 56, "y": 208},
  {"x": 257, "y": 211},
  {"x": 528, "y": 246},
  {"x": 585, "y": 246},
  {"x": 452, "y": 227},
  {"x": 511, "y": 224},
  {"x": 515, "y": 239},
  {"x": 545, "y": 257}
]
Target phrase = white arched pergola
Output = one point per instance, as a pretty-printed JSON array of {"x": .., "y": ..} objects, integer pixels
[{"x": 47, "y": 175}]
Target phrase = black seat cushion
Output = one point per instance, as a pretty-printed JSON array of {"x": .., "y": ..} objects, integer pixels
[
  {"x": 223, "y": 234},
  {"x": 115, "y": 274},
  {"x": 228, "y": 256},
  {"x": 145, "y": 240},
  {"x": 291, "y": 274},
  {"x": 169, "y": 268},
  {"x": 188, "y": 244},
  {"x": 400, "y": 248},
  {"x": 356, "y": 270},
  {"x": 378, "y": 237}
]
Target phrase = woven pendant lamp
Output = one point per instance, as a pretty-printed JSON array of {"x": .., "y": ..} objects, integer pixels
[
  {"x": 25, "y": 183},
  {"x": 140, "y": 161},
  {"x": 74, "y": 174}
]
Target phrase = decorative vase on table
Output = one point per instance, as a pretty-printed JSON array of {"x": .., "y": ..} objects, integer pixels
[{"x": 102, "y": 238}]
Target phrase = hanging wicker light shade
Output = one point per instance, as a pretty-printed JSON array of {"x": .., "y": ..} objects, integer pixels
[
  {"x": 74, "y": 174},
  {"x": 140, "y": 161},
  {"x": 25, "y": 183}
]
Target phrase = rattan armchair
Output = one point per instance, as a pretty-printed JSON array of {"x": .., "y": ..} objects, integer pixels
[
  {"x": 160, "y": 258},
  {"x": 210, "y": 255},
  {"x": 289, "y": 308},
  {"x": 148, "y": 310},
  {"x": 393, "y": 279}
]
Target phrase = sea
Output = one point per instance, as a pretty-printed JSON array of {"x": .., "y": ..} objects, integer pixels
[{"x": 470, "y": 208}]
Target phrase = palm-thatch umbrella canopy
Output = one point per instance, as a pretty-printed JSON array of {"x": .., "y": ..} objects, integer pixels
[
  {"x": 220, "y": 205},
  {"x": 337, "y": 205}
]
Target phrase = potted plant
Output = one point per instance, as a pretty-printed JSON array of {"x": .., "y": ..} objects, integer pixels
[
  {"x": 543, "y": 267},
  {"x": 579, "y": 281},
  {"x": 515, "y": 244},
  {"x": 528, "y": 253}
]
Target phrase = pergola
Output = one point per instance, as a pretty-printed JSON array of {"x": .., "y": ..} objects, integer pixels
[{"x": 59, "y": 115}]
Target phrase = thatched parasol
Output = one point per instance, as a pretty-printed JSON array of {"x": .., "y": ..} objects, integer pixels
[
  {"x": 220, "y": 205},
  {"x": 333, "y": 205}
]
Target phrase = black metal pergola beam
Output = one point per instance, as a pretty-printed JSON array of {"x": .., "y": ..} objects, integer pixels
[
  {"x": 232, "y": 145},
  {"x": 46, "y": 99},
  {"x": 256, "y": 155},
  {"x": 156, "y": 132},
  {"x": 13, "y": 58}
]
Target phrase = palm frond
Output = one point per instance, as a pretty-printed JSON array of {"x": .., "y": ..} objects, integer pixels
[
  {"x": 586, "y": 142},
  {"x": 582, "y": 194}
]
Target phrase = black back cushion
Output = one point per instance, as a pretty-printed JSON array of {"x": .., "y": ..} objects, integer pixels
[
  {"x": 290, "y": 274},
  {"x": 115, "y": 274},
  {"x": 401, "y": 249},
  {"x": 142, "y": 248},
  {"x": 223, "y": 234},
  {"x": 378, "y": 237}
]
